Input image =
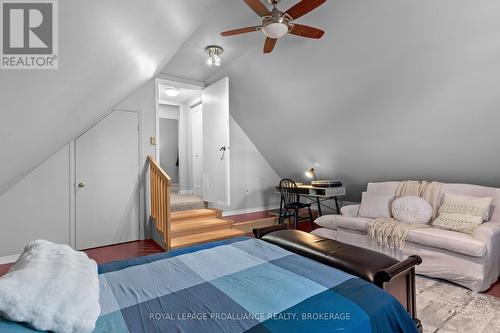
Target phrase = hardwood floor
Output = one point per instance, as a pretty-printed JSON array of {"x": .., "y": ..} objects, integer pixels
[{"x": 142, "y": 248}]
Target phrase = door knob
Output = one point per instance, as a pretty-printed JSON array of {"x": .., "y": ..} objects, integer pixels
[{"x": 81, "y": 184}]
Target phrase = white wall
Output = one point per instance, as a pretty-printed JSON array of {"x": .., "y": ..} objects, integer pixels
[
  {"x": 143, "y": 99},
  {"x": 252, "y": 178},
  {"x": 168, "y": 111},
  {"x": 37, "y": 206}
]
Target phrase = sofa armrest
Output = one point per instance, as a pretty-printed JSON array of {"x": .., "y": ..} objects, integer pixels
[
  {"x": 350, "y": 210},
  {"x": 487, "y": 232}
]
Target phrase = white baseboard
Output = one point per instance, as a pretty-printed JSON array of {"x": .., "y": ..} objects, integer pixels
[
  {"x": 9, "y": 259},
  {"x": 250, "y": 210}
]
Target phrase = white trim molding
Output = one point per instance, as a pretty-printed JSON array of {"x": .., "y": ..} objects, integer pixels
[{"x": 250, "y": 210}]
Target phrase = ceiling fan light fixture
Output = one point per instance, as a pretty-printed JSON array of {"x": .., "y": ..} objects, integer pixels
[
  {"x": 171, "y": 91},
  {"x": 275, "y": 30},
  {"x": 214, "y": 52}
]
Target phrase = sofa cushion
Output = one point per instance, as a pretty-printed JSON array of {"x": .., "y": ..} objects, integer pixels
[
  {"x": 448, "y": 240},
  {"x": 412, "y": 209},
  {"x": 376, "y": 205},
  {"x": 440, "y": 238},
  {"x": 327, "y": 221},
  {"x": 353, "y": 223}
]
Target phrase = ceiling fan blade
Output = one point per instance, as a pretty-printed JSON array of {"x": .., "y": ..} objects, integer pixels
[
  {"x": 240, "y": 31},
  {"x": 304, "y": 7},
  {"x": 269, "y": 45},
  {"x": 306, "y": 31},
  {"x": 258, "y": 7}
]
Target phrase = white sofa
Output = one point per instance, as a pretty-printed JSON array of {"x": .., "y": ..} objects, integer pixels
[{"x": 472, "y": 261}]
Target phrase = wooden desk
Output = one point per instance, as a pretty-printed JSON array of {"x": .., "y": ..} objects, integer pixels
[{"x": 318, "y": 193}]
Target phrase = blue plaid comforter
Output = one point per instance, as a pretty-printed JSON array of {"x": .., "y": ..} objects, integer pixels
[{"x": 238, "y": 285}]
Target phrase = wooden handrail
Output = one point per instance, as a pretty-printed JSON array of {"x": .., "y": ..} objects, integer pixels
[{"x": 160, "y": 184}]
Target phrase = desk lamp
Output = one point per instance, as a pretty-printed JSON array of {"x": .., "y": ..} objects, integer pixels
[{"x": 311, "y": 174}]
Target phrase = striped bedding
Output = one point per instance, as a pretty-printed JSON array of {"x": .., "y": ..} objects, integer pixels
[{"x": 238, "y": 285}]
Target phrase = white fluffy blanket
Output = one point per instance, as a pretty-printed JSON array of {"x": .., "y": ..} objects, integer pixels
[{"x": 51, "y": 287}]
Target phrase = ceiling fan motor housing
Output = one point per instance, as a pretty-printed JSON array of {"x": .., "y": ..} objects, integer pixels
[{"x": 275, "y": 25}]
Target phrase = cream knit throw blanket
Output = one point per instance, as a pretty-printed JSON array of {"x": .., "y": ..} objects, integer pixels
[{"x": 392, "y": 233}]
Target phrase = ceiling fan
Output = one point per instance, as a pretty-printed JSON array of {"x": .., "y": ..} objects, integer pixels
[{"x": 276, "y": 24}]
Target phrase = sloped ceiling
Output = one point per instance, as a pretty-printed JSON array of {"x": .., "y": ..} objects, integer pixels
[
  {"x": 394, "y": 90},
  {"x": 107, "y": 48}
]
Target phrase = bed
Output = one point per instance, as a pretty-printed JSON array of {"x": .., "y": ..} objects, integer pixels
[{"x": 238, "y": 285}]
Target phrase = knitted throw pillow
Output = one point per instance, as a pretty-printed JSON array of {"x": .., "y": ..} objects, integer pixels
[
  {"x": 412, "y": 209},
  {"x": 462, "y": 213}
]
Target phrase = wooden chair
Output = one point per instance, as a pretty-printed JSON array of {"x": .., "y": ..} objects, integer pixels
[{"x": 290, "y": 201}]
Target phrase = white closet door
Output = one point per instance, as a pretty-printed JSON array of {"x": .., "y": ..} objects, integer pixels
[
  {"x": 216, "y": 149},
  {"x": 107, "y": 181},
  {"x": 197, "y": 142}
]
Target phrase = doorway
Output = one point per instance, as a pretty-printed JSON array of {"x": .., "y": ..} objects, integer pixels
[
  {"x": 169, "y": 142},
  {"x": 203, "y": 140}
]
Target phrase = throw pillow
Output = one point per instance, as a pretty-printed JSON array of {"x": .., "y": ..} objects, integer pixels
[
  {"x": 458, "y": 222},
  {"x": 376, "y": 205},
  {"x": 412, "y": 209},
  {"x": 462, "y": 213},
  {"x": 465, "y": 205}
]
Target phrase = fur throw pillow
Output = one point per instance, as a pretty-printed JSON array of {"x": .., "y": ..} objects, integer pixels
[{"x": 412, "y": 209}]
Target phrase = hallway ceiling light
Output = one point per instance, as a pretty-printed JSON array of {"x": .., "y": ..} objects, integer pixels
[
  {"x": 214, "y": 52},
  {"x": 171, "y": 91}
]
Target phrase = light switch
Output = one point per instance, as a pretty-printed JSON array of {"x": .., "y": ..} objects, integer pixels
[{"x": 152, "y": 140}]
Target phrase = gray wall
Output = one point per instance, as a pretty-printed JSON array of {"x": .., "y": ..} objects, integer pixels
[
  {"x": 169, "y": 147},
  {"x": 394, "y": 90}
]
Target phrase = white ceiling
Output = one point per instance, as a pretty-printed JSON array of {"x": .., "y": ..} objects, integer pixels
[
  {"x": 189, "y": 61},
  {"x": 107, "y": 49},
  {"x": 350, "y": 102}
]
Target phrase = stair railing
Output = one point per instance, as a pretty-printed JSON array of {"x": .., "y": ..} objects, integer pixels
[{"x": 160, "y": 184}]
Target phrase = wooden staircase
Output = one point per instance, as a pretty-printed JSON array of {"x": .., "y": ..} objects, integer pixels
[
  {"x": 193, "y": 227},
  {"x": 183, "y": 228}
]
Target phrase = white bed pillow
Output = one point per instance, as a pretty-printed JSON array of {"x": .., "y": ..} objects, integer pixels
[
  {"x": 52, "y": 287},
  {"x": 412, "y": 209},
  {"x": 376, "y": 205},
  {"x": 327, "y": 221}
]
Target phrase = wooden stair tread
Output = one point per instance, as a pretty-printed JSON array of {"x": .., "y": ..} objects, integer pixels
[
  {"x": 198, "y": 224},
  {"x": 192, "y": 214},
  {"x": 204, "y": 237}
]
